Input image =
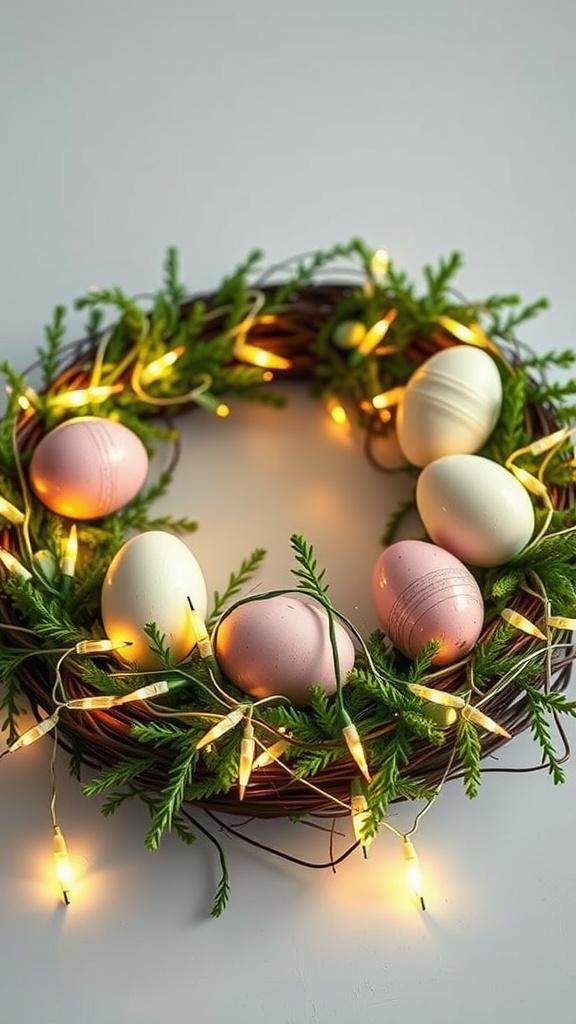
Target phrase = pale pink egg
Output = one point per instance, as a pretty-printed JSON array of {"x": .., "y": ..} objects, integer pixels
[
  {"x": 88, "y": 467},
  {"x": 422, "y": 593},
  {"x": 281, "y": 645}
]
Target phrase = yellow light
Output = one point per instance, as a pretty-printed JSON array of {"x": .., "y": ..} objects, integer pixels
[
  {"x": 84, "y": 396},
  {"x": 531, "y": 483},
  {"x": 272, "y": 753},
  {"x": 211, "y": 403},
  {"x": 68, "y": 564},
  {"x": 267, "y": 376},
  {"x": 159, "y": 367},
  {"x": 247, "y": 747},
  {"x": 388, "y": 399},
  {"x": 521, "y": 622},
  {"x": 360, "y": 815},
  {"x": 200, "y": 633},
  {"x": 349, "y": 334},
  {"x": 35, "y": 733},
  {"x": 13, "y": 565},
  {"x": 469, "y": 335},
  {"x": 260, "y": 357},
  {"x": 102, "y": 702},
  {"x": 413, "y": 872},
  {"x": 449, "y": 700},
  {"x": 63, "y": 866},
  {"x": 373, "y": 337},
  {"x": 561, "y": 622},
  {"x": 226, "y": 723},
  {"x": 479, "y": 718},
  {"x": 99, "y": 646},
  {"x": 336, "y": 410},
  {"x": 379, "y": 263},
  {"x": 10, "y": 512},
  {"x": 222, "y": 410},
  {"x": 544, "y": 444},
  {"x": 354, "y": 744}
]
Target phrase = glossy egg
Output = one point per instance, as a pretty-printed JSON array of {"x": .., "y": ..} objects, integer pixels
[
  {"x": 150, "y": 580},
  {"x": 423, "y": 593},
  {"x": 475, "y": 508},
  {"x": 88, "y": 467},
  {"x": 450, "y": 405},
  {"x": 281, "y": 645}
]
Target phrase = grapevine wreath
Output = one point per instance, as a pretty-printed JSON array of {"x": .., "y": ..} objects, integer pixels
[{"x": 274, "y": 705}]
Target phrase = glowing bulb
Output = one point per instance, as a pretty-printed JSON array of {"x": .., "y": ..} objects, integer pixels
[
  {"x": 13, "y": 565},
  {"x": 260, "y": 357},
  {"x": 222, "y": 410},
  {"x": 102, "y": 702},
  {"x": 387, "y": 399},
  {"x": 413, "y": 872},
  {"x": 521, "y": 622},
  {"x": 226, "y": 723},
  {"x": 99, "y": 646},
  {"x": 200, "y": 633},
  {"x": 160, "y": 367},
  {"x": 379, "y": 263},
  {"x": 247, "y": 747},
  {"x": 271, "y": 753},
  {"x": 10, "y": 512},
  {"x": 354, "y": 744},
  {"x": 472, "y": 714},
  {"x": 68, "y": 564},
  {"x": 373, "y": 337},
  {"x": 336, "y": 410},
  {"x": 35, "y": 733},
  {"x": 449, "y": 700},
  {"x": 84, "y": 396},
  {"x": 63, "y": 866},
  {"x": 360, "y": 815}
]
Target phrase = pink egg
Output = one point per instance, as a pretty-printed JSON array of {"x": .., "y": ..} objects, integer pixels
[
  {"x": 281, "y": 645},
  {"x": 88, "y": 467},
  {"x": 422, "y": 593}
]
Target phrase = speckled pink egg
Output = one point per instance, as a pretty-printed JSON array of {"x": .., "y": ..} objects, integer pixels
[
  {"x": 281, "y": 645},
  {"x": 88, "y": 467},
  {"x": 422, "y": 593}
]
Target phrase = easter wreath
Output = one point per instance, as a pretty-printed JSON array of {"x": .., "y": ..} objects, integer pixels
[{"x": 162, "y": 714}]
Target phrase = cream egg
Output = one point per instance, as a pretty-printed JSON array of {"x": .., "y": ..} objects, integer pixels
[
  {"x": 150, "y": 580},
  {"x": 423, "y": 593},
  {"x": 475, "y": 508},
  {"x": 450, "y": 405},
  {"x": 88, "y": 467},
  {"x": 281, "y": 645}
]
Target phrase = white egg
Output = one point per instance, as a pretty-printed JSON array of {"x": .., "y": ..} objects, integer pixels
[
  {"x": 150, "y": 580},
  {"x": 450, "y": 405},
  {"x": 474, "y": 508}
]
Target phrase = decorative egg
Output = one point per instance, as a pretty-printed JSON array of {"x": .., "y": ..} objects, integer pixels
[
  {"x": 475, "y": 508},
  {"x": 281, "y": 645},
  {"x": 423, "y": 593},
  {"x": 450, "y": 405},
  {"x": 150, "y": 580},
  {"x": 88, "y": 467}
]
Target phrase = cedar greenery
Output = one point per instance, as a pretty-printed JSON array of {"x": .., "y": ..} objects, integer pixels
[{"x": 169, "y": 775}]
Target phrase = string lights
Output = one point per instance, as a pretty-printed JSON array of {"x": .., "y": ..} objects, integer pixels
[{"x": 359, "y": 345}]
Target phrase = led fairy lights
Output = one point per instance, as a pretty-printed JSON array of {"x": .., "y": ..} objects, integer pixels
[{"x": 148, "y": 372}]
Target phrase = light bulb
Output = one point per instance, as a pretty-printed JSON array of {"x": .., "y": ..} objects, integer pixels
[
  {"x": 373, "y": 337},
  {"x": 84, "y": 396},
  {"x": 68, "y": 563},
  {"x": 226, "y": 723},
  {"x": 35, "y": 733},
  {"x": 160, "y": 367},
  {"x": 13, "y": 565},
  {"x": 354, "y": 744},
  {"x": 200, "y": 633},
  {"x": 413, "y": 872},
  {"x": 360, "y": 815},
  {"x": 336, "y": 410},
  {"x": 10, "y": 512},
  {"x": 63, "y": 866},
  {"x": 272, "y": 753},
  {"x": 247, "y": 746},
  {"x": 449, "y": 700},
  {"x": 479, "y": 718},
  {"x": 260, "y": 357}
]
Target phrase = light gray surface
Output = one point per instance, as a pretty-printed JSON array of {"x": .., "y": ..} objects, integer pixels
[{"x": 218, "y": 126}]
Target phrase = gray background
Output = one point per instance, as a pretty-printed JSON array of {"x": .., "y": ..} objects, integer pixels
[{"x": 218, "y": 126}]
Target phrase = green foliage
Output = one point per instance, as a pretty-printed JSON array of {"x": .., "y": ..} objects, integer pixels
[
  {"x": 392, "y": 721},
  {"x": 469, "y": 750},
  {"x": 236, "y": 582}
]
